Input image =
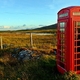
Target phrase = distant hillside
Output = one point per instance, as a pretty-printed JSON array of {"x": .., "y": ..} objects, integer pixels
[
  {"x": 44, "y": 29},
  {"x": 54, "y": 26}
]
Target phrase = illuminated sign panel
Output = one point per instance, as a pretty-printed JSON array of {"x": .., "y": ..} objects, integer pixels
[
  {"x": 76, "y": 13},
  {"x": 63, "y": 15}
]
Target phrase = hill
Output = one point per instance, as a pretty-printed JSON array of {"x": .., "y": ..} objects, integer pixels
[
  {"x": 45, "y": 29},
  {"x": 54, "y": 26}
]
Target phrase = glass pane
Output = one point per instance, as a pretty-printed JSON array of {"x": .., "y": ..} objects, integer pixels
[
  {"x": 62, "y": 41},
  {"x": 78, "y": 49},
  {"x": 61, "y": 64},
  {"x": 78, "y": 55},
  {"x": 62, "y": 59},
  {"x": 78, "y": 37},
  {"x": 78, "y": 30},
  {"x": 78, "y": 67},
  {"x": 63, "y": 54},
  {"x": 62, "y": 26},
  {"x": 78, "y": 61},
  {"x": 62, "y": 29},
  {"x": 78, "y": 23},
  {"x": 62, "y": 35},
  {"x": 78, "y": 43}
]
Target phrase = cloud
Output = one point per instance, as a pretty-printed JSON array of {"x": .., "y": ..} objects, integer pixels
[
  {"x": 24, "y": 25},
  {"x": 20, "y": 27},
  {"x": 6, "y": 27},
  {"x": 40, "y": 25}
]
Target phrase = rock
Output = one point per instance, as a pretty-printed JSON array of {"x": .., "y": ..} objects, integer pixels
[{"x": 25, "y": 55}]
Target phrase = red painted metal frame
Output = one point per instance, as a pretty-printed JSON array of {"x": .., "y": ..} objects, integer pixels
[{"x": 66, "y": 15}]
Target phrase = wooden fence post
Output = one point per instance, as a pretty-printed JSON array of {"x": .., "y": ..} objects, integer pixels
[
  {"x": 31, "y": 40},
  {"x": 1, "y": 43}
]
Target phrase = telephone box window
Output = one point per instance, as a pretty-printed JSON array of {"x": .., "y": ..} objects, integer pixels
[
  {"x": 78, "y": 23},
  {"x": 78, "y": 37},
  {"x": 62, "y": 26},
  {"x": 78, "y": 29}
]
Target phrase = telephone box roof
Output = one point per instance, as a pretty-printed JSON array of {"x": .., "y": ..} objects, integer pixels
[{"x": 70, "y": 7}]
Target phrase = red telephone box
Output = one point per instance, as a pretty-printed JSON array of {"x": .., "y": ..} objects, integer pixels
[{"x": 68, "y": 39}]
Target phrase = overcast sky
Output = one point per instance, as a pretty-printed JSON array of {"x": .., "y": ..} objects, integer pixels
[{"x": 23, "y": 14}]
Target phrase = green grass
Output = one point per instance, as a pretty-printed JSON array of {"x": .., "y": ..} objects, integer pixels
[{"x": 41, "y": 69}]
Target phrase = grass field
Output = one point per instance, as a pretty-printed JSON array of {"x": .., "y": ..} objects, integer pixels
[
  {"x": 34, "y": 69},
  {"x": 23, "y": 40}
]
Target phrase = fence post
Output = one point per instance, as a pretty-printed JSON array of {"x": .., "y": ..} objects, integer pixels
[
  {"x": 31, "y": 40},
  {"x": 1, "y": 43}
]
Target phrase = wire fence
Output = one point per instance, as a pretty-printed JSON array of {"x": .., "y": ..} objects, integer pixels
[{"x": 38, "y": 40}]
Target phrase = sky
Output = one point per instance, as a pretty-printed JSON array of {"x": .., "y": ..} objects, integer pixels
[{"x": 27, "y": 14}]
